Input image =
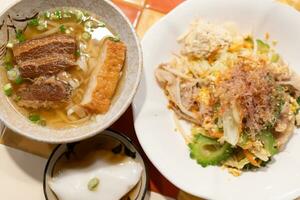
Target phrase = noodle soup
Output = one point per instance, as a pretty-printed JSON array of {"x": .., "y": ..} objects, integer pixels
[{"x": 64, "y": 68}]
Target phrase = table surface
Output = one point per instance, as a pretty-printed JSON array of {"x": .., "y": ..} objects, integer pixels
[{"x": 143, "y": 14}]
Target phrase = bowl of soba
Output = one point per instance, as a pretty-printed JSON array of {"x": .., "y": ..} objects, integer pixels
[{"x": 68, "y": 69}]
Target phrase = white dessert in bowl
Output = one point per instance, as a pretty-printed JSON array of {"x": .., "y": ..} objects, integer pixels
[{"x": 105, "y": 167}]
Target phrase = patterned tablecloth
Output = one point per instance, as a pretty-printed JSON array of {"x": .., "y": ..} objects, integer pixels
[{"x": 143, "y": 14}]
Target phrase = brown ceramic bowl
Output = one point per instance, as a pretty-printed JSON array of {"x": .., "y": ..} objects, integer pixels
[{"x": 112, "y": 16}]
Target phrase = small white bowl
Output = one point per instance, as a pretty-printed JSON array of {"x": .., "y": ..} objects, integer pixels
[
  {"x": 112, "y": 16},
  {"x": 107, "y": 140}
]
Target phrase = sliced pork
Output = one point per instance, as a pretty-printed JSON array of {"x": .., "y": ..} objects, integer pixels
[
  {"x": 43, "y": 47},
  {"x": 50, "y": 65},
  {"x": 44, "y": 92}
]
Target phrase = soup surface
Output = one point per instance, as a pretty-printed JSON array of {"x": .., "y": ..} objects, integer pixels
[{"x": 64, "y": 68}]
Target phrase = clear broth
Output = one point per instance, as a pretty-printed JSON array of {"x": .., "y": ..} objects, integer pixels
[{"x": 57, "y": 117}]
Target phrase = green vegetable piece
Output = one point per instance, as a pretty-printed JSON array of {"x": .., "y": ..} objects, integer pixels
[
  {"x": 298, "y": 100},
  {"x": 93, "y": 184},
  {"x": 34, "y": 118},
  {"x": 77, "y": 53},
  {"x": 243, "y": 140},
  {"x": 67, "y": 15},
  {"x": 47, "y": 15},
  {"x": 17, "y": 98},
  {"x": 275, "y": 57},
  {"x": 8, "y": 90},
  {"x": 12, "y": 74},
  {"x": 42, "y": 25},
  {"x": 42, "y": 122},
  {"x": 62, "y": 28},
  {"x": 33, "y": 22},
  {"x": 79, "y": 15},
  {"x": 86, "y": 36},
  {"x": 8, "y": 66},
  {"x": 58, "y": 14},
  {"x": 269, "y": 142},
  {"x": 20, "y": 36},
  {"x": 101, "y": 24},
  {"x": 8, "y": 57},
  {"x": 115, "y": 38},
  {"x": 19, "y": 80},
  {"x": 208, "y": 151},
  {"x": 262, "y": 47}
]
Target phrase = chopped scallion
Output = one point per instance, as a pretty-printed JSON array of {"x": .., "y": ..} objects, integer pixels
[
  {"x": 12, "y": 74},
  {"x": 34, "y": 118},
  {"x": 19, "y": 80},
  {"x": 262, "y": 47},
  {"x": 8, "y": 90},
  {"x": 115, "y": 38},
  {"x": 67, "y": 15},
  {"x": 62, "y": 28},
  {"x": 17, "y": 98},
  {"x": 93, "y": 183},
  {"x": 275, "y": 57},
  {"x": 77, "y": 53},
  {"x": 86, "y": 36},
  {"x": 298, "y": 100},
  {"x": 79, "y": 15},
  {"x": 33, "y": 22},
  {"x": 47, "y": 15},
  {"x": 20, "y": 36},
  {"x": 101, "y": 24},
  {"x": 42, "y": 25},
  {"x": 58, "y": 14},
  {"x": 42, "y": 122},
  {"x": 8, "y": 66}
]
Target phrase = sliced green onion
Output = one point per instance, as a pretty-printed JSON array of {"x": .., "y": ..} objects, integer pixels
[
  {"x": 79, "y": 15},
  {"x": 12, "y": 74},
  {"x": 93, "y": 183},
  {"x": 19, "y": 80},
  {"x": 42, "y": 122},
  {"x": 42, "y": 25},
  {"x": 77, "y": 53},
  {"x": 88, "y": 24},
  {"x": 34, "y": 117},
  {"x": 8, "y": 90},
  {"x": 62, "y": 28},
  {"x": 86, "y": 36},
  {"x": 298, "y": 100},
  {"x": 101, "y": 24},
  {"x": 8, "y": 66},
  {"x": 115, "y": 38},
  {"x": 58, "y": 14},
  {"x": 67, "y": 15},
  {"x": 20, "y": 36},
  {"x": 275, "y": 57},
  {"x": 262, "y": 47},
  {"x": 17, "y": 98},
  {"x": 8, "y": 57},
  {"x": 47, "y": 15},
  {"x": 33, "y": 22}
]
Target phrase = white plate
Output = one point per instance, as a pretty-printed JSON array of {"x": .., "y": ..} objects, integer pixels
[{"x": 154, "y": 123}]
